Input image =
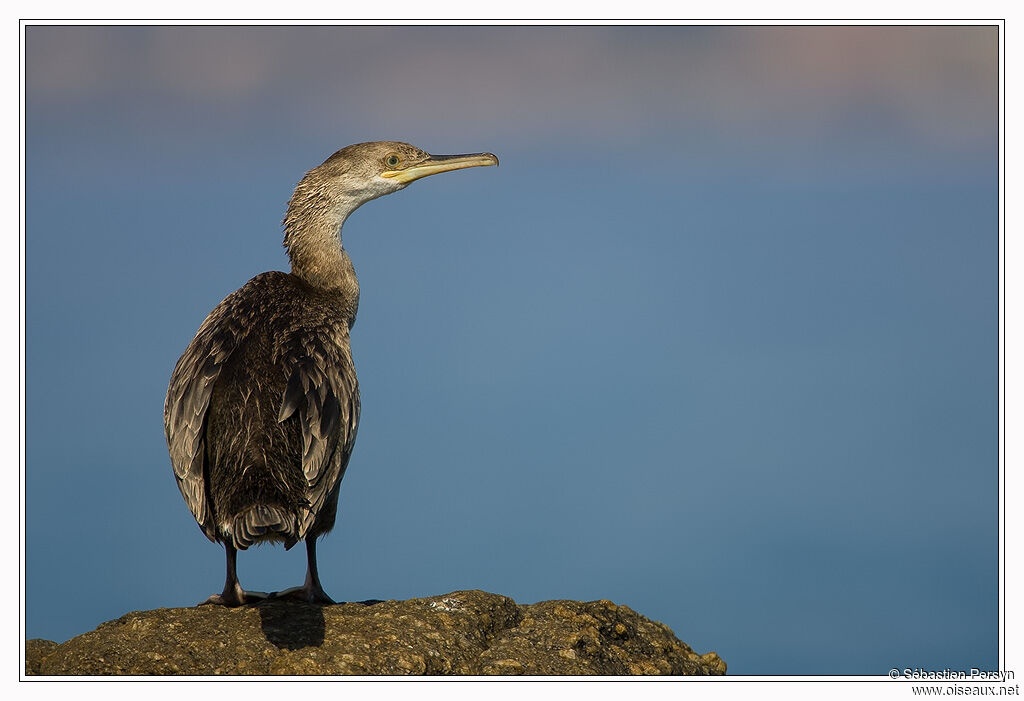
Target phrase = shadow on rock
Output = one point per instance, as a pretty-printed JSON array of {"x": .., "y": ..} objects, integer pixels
[{"x": 292, "y": 625}]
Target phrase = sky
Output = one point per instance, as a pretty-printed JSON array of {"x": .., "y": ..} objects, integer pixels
[{"x": 718, "y": 339}]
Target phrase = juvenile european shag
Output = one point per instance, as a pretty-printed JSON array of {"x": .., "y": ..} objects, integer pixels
[{"x": 263, "y": 406}]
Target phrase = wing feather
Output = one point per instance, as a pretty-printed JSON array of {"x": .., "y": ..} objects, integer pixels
[
  {"x": 323, "y": 394},
  {"x": 188, "y": 399}
]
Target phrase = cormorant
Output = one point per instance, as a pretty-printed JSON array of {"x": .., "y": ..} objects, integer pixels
[{"x": 263, "y": 406}]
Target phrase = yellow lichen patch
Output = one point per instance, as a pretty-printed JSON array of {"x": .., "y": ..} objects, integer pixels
[
  {"x": 562, "y": 612},
  {"x": 712, "y": 660},
  {"x": 643, "y": 667},
  {"x": 505, "y": 666},
  {"x": 414, "y": 664}
]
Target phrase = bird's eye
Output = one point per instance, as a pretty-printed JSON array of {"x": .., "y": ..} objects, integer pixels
[{"x": 392, "y": 161}]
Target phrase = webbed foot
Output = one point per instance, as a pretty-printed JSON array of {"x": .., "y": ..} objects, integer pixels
[
  {"x": 235, "y": 597},
  {"x": 305, "y": 593}
]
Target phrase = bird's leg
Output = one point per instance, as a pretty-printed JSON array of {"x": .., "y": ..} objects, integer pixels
[
  {"x": 233, "y": 594},
  {"x": 311, "y": 592},
  {"x": 316, "y": 592}
]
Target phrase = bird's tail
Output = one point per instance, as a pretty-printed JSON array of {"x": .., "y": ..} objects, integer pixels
[{"x": 264, "y": 523}]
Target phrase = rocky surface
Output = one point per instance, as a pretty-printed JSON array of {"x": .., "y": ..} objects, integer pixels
[{"x": 465, "y": 632}]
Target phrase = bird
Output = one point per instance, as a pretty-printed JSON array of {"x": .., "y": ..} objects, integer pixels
[{"x": 263, "y": 406}]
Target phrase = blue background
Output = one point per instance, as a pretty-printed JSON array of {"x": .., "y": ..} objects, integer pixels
[{"x": 717, "y": 340}]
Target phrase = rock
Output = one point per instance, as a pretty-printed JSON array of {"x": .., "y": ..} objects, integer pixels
[
  {"x": 465, "y": 632},
  {"x": 35, "y": 650}
]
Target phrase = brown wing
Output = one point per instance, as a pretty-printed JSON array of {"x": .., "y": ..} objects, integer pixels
[
  {"x": 188, "y": 399},
  {"x": 323, "y": 395}
]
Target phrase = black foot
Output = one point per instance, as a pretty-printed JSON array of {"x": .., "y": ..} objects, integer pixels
[
  {"x": 306, "y": 594},
  {"x": 235, "y": 597}
]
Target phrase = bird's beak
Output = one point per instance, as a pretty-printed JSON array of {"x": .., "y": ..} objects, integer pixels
[{"x": 440, "y": 164}]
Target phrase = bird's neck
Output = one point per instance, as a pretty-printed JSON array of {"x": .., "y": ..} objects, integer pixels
[{"x": 312, "y": 237}]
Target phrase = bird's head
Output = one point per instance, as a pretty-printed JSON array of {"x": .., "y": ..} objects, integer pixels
[
  {"x": 361, "y": 172},
  {"x": 356, "y": 174},
  {"x": 382, "y": 167}
]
